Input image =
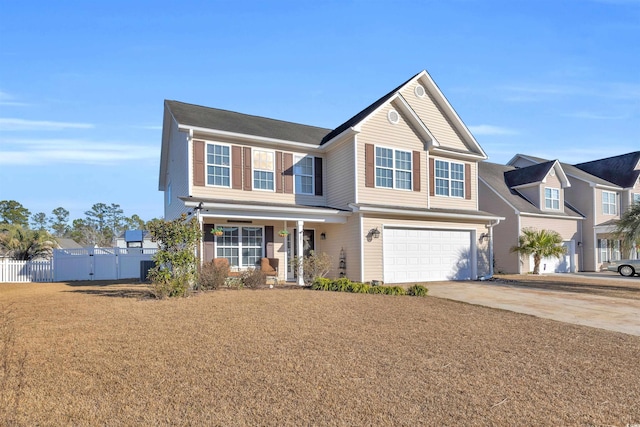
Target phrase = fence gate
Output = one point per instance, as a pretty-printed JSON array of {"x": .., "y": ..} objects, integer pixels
[{"x": 99, "y": 263}]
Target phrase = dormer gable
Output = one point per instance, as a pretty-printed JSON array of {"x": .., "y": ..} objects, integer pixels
[{"x": 536, "y": 174}]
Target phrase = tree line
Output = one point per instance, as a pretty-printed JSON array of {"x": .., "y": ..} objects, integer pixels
[{"x": 100, "y": 226}]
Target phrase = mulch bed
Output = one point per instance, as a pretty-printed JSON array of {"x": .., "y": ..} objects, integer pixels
[{"x": 110, "y": 355}]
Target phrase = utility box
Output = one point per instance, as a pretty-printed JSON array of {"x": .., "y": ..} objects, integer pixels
[{"x": 145, "y": 266}]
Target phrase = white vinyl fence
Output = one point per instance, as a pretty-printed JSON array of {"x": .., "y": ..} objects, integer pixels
[
  {"x": 25, "y": 271},
  {"x": 99, "y": 263},
  {"x": 78, "y": 264}
]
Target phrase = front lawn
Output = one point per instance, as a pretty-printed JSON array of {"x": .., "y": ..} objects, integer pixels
[{"x": 104, "y": 354}]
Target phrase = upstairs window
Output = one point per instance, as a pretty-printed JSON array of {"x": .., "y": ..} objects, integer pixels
[
  {"x": 552, "y": 198},
  {"x": 303, "y": 171},
  {"x": 218, "y": 165},
  {"x": 449, "y": 178},
  {"x": 636, "y": 198},
  {"x": 393, "y": 168},
  {"x": 263, "y": 170},
  {"x": 609, "y": 203}
]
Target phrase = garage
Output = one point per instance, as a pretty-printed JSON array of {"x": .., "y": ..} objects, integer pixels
[
  {"x": 558, "y": 265},
  {"x": 421, "y": 255}
]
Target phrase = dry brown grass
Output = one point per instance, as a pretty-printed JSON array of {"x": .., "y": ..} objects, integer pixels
[{"x": 106, "y": 355}]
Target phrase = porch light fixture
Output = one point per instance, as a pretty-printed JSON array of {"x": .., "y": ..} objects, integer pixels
[
  {"x": 484, "y": 236},
  {"x": 323, "y": 236},
  {"x": 375, "y": 233}
]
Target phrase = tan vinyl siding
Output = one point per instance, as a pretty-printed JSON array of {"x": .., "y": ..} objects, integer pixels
[
  {"x": 177, "y": 173},
  {"x": 505, "y": 234},
  {"x": 338, "y": 237},
  {"x": 434, "y": 118},
  {"x": 380, "y": 132},
  {"x": 240, "y": 194},
  {"x": 340, "y": 175},
  {"x": 569, "y": 229},
  {"x": 551, "y": 182},
  {"x": 373, "y": 250},
  {"x": 580, "y": 195},
  {"x": 458, "y": 202}
]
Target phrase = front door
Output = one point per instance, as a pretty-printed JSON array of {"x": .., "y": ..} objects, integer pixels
[{"x": 309, "y": 244}]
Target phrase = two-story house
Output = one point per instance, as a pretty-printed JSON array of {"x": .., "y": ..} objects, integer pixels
[
  {"x": 530, "y": 197},
  {"x": 599, "y": 191},
  {"x": 391, "y": 194}
]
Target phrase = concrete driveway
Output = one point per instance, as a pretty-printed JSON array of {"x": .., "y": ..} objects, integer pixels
[{"x": 611, "y": 313}]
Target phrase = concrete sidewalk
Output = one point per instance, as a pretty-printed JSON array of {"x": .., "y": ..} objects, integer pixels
[{"x": 614, "y": 314}]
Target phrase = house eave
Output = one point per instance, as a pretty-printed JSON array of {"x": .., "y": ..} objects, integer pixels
[{"x": 423, "y": 213}]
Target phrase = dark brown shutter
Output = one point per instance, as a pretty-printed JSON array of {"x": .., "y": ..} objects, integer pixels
[
  {"x": 268, "y": 239},
  {"x": 288, "y": 173},
  {"x": 318, "y": 177},
  {"x": 236, "y": 167},
  {"x": 432, "y": 183},
  {"x": 248, "y": 182},
  {"x": 369, "y": 166},
  {"x": 467, "y": 181},
  {"x": 198, "y": 163},
  {"x": 278, "y": 178},
  {"x": 416, "y": 171},
  {"x": 209, "y": 239}
]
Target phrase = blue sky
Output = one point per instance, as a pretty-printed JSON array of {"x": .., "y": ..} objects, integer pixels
[{"x": 82, "y": 84}]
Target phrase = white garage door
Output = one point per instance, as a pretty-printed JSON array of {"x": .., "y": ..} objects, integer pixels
[
  {"x": 415, "y": 255},
  {"x": 558, "y": 265}
]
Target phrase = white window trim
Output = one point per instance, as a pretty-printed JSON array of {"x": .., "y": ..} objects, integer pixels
[
  {"x": 449, "y": 179},
  {"x": 393, "y": 168},
  {"x": 253, "y": 169},
  {"x": 296, "y": 158},
  {"x": 240, "y": 267},
  {"x": 551, "y": 199},
  {"x": 206, "y": 164},
  {"x": 614, "y": 204}
]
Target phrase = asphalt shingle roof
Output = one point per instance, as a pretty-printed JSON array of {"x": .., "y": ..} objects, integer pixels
[
  {"x": 230, "y": 121},
  {"x": 495, "y": 177},
  {"x": 528, "y": 175},
  {"x": 573, "y": 171},
  {"x": 619, "y": 170}
]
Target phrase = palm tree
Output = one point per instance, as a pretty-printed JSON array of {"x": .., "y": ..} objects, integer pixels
[
  {"x": 540, "y": 244},
  {"x": 24, "y": 244},
  {"x": 628, "y": 227}
]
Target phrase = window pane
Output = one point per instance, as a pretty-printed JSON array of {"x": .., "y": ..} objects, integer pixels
[
  {"x": 403, "y": 180},
  {"x": 263, "y": 180},
  {"x": 457, "y": 171},
  {"x": 457, "y": 189},
  {"x": 403, "y": 160},
  {"x": 263, "y": 160},
  {"x": 442, "y": 187},
  {"x": 384, "y": 178},
  {"x": 384, "y": 157},
  {"x": 442, "y": 169}
]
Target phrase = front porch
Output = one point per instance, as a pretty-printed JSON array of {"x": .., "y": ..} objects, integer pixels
[{"x": 244, "y": 235}]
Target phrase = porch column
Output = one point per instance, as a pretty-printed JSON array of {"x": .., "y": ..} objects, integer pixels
[{"x": 300, "y": 252}]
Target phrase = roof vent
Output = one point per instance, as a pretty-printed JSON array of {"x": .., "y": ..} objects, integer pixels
[
  {"x": 419, "y": 91},
  {"x": 393, "y": 117}
]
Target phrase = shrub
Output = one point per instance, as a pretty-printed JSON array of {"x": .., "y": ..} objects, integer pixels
[
  {"x": 321, "y": 284},
  {"x": 171, "y": 287},
  {"x": 253, "y": 278},
  {"x": 314, "y": 266},
  {"x": 359, "y": 288},
  {"x": 376, "y": 290},
  {"x": 394, "y": 290},
  {"x": 341, "y": 285},
  {"x": 212, "y": 276},
  {"x": 417, "y": 291}
]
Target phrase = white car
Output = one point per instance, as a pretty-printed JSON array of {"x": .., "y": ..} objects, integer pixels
[{"x": 626, "y": 267}]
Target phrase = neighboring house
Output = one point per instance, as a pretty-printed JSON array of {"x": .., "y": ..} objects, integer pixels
[
  {"x": 66, "y": 243},
  {"x": 530, "y": 197},
  {"x": 136, "y": 239},
  {"x": 391, "y": 194},
  {"x": 600, "y": 191}
]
